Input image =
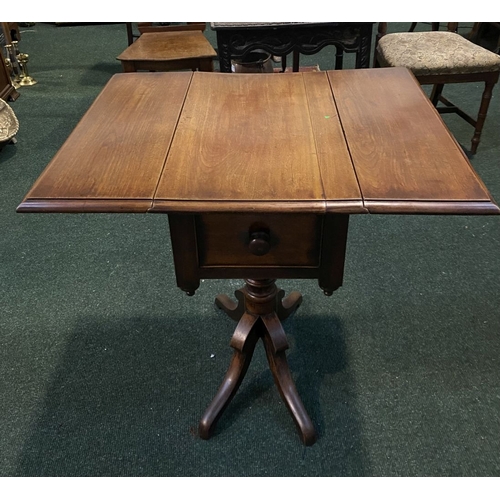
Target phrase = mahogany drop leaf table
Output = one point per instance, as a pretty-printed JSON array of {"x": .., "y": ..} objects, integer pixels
[{"x": 259, "y": 174}]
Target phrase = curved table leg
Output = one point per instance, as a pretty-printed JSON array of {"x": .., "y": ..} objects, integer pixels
[
  {"x": 288, "y": 305},
  {"x": 275, "y": 344},
  {"x": 244, "y": 339},
  {"x": 233, "y": 309},
  {"x": 260, "y": 307}
]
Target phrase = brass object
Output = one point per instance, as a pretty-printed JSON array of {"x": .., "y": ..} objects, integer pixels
[
  {"x": 26, "y": 79},
  {"x": 256, "y": 61},
  {"x": 13, "y": 64},
  {"x": 8, "y": 65}
]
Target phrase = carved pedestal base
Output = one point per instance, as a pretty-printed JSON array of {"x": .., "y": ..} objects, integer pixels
[{"x": 259, "y": 309}]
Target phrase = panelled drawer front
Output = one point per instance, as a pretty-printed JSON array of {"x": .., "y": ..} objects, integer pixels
[{"x": 293, "y": 240}]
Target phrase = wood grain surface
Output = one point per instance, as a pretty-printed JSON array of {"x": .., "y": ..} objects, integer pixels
[
  {"x": 113, "y": 159},
  {"x": 405, "y": 159},
  {"x": 350, "y": 141},
  {"x": 337, "y": 174},
  {"x": 224, "y": 239},
  {"x": 244, "y": 138},
  {"x": 168, "y": 46}
]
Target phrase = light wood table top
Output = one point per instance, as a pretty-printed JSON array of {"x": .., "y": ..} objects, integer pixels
[
  {"x": 350, "y": 141},
  {"x": 166, "y": 46}
]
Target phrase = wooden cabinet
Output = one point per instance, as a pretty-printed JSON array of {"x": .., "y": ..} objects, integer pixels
[{"x": 7, "y": 90}]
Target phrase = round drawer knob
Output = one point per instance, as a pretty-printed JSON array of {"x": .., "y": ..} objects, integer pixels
[{"x": 259, "y": 243}]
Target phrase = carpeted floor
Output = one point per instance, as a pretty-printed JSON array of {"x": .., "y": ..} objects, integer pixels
[{"x": 106, "y": 367}]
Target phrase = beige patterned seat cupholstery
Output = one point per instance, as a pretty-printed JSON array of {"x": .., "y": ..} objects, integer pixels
[{"x": 440, "y": 57}]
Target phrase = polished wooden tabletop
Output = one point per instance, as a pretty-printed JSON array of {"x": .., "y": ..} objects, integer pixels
[
  {"x": 166, "y": 46},
  {"x": 350, "y": 141}
]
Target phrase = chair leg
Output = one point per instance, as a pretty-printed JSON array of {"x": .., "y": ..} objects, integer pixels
[
  {"x": 130, "y": 33},
  {"x": 339, "y": 58},
  {"x": 481, "y": 117},
  {"x": 295, "y": 61},
  {"x": 437, "y": 90}
]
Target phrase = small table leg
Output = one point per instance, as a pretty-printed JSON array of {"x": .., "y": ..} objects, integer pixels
[
  {"x": 275, "y": 344},
  {"x": 244, "y": 339},
  {"x": 259, "y": 309}
]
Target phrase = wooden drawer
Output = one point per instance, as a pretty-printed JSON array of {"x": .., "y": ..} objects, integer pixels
[{"x": 259, "y": 240}]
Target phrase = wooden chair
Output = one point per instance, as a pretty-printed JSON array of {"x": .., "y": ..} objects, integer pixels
[
  {"x": 487, "y": 35},
  {"x": 439, "y": 58},
  {"x": 435, "y": 27},
  {"x": 167, "y": 48}
]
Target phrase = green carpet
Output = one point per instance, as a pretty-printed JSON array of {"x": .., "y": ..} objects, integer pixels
[{"x": 106, "y": 366}]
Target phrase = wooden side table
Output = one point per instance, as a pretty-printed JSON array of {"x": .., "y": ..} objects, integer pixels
[
  {"x": 169, "y": 51},
  {"x": 259, "y": 175}
]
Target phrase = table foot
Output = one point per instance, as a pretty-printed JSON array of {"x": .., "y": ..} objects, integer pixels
[{"x": 260, "y": 308}]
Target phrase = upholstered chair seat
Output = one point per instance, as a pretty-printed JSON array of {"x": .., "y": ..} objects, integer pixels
[
  {"x": 435, "y": 53},
  {"x": 439, "y": 58}
]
